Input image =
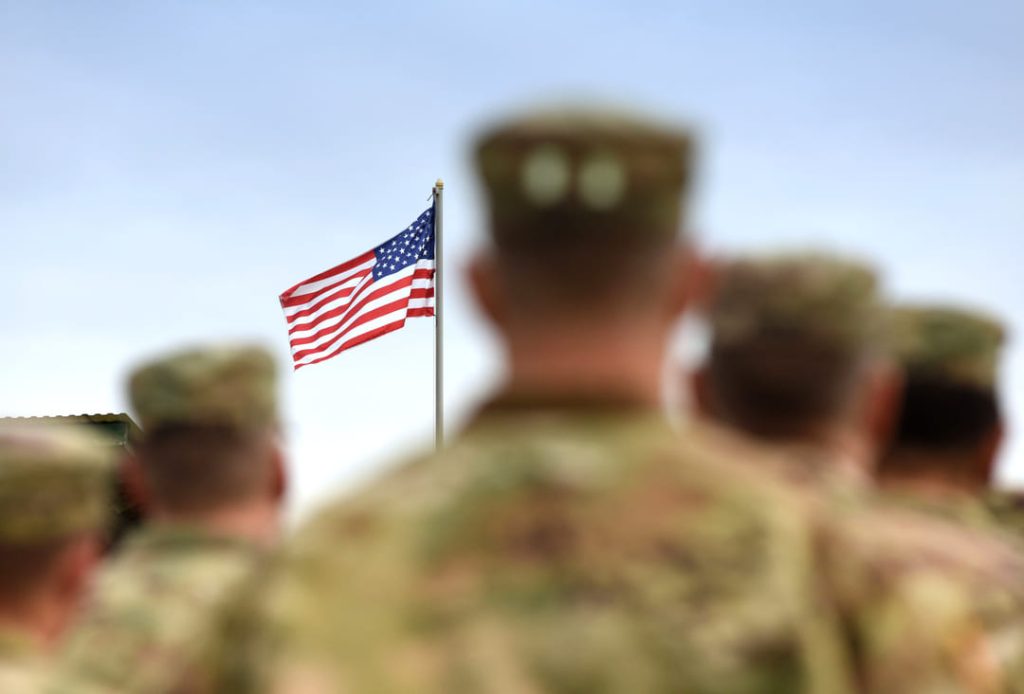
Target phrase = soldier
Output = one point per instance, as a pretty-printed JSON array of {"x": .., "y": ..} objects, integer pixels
[
  {"x": 943, "y": 454},
  {"x": 796, "y": 363},
  {"x": 799, "y": 365},
  {"x": 210, "y": 475},
  {"x": 567, "y": 540},
  {"x": 53, "y": 508}
]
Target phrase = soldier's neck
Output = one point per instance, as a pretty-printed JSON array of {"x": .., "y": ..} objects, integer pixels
[
  {"x": 578, "y": 363},
  {"x": 919, "y": 474},
  {"x": 258, "y": 522},
  {"x": 40, "y": 619}
]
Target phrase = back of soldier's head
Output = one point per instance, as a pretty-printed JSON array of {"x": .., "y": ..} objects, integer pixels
[
  {"x": 54, "y": 492},
  {"x": 583, "y": 204},
  {"x": 950, "y": 359},
  {"x": 791, "y": 337},
  {"x": 209, "y": 419}
]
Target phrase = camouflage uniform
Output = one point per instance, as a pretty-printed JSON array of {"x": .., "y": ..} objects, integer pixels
[
  {"x": 958, "y": 345},
  {"x": 560, "y": 544},
  {"x": 885, "y": 567},
  {"x": 150, "y": 613},
  {"x": 550, "y": 549},
  {"x": 579, "y": 545},
  {"x": 21, "y": 666},
  {"x": 781, "y": 313},
  {"x": 54, "y": 484},
  {"x": 958, "y": 348},
  {"x": 1006, "y": 506}
]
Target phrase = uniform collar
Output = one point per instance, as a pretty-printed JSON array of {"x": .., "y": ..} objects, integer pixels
[
  {"x": 510, "y": 403},
  {"x": 15, "y": 644},
  {"x": 186, "y": 537}
]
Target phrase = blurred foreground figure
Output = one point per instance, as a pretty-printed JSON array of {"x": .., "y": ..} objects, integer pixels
[
  {"x": 799, "y": 367},
  {"x": 797, "y": 363},
  {"x": 567, "y": 541},
  {"x": 943, "y": 455},
  {"x": 210, "y": 476},
  {"x": 54, "y": 506}
]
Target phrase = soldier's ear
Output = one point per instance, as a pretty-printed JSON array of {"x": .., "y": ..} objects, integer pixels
[
  {"x": 881, "y": 401},
  {"x": 484, "y": 281},
  {"x": 278, "y": 474},
  {"x": 135, "y": 484},
  {"x": 689, "y": 279},
  {"x": 988, "y": 451},
  {"x": 700, "y": 392}
]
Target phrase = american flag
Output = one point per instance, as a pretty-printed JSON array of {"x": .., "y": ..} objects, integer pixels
[{"x": 364, "y": 298}]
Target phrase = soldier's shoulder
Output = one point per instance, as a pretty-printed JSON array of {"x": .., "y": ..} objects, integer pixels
[
  {"x": 150, "y": 612},
  {"x": 20, "y": 678},
  {"x": 907, "y": 537},
  {"x": 929, "y": 569},
  {"x": 173, "y": 562}
]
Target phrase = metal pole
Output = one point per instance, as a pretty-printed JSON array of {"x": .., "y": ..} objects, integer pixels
[{"x": 438, "y": 315}]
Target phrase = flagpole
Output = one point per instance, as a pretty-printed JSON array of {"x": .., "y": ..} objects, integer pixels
[{"x": 438, "y": 315}]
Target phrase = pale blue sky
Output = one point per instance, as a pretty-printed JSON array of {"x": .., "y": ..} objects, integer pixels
[{"x": 166, "y": 169}]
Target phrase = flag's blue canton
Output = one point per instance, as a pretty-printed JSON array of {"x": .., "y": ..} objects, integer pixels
[{"x": 414, "y": 244}]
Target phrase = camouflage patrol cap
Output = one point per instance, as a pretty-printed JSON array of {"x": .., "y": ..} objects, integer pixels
[
  {"x": 955, "y": 344},
  {"x": 54, "y": 481},
  {"x": 225, "y": 385},
  {"x": 811, "y": 296},
  {"x": 584, "y": 175}
]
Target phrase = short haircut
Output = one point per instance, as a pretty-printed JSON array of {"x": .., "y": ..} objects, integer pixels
[
  {"x": 26, "y": 563},
  {"x": 779, "y": 386},
  {"x": 589, "y": 280},
  {"x": 939, "y": 413},
  {"x": 201, "y": 467}
]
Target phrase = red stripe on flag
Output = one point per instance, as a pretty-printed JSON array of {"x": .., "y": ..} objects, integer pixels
[
  {"x": 377, "y": 290},
  {"x": 327, "y": 312},
  {"x": 332, "y": 296},
  {"x": 336, "y": 270},
  {"x": 383, "y": 330},
  {"x": 361, "y": 318}
]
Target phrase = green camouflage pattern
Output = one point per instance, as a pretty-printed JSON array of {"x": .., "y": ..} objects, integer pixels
[
  {"x": 544, "y": 552},
  {"x": 963, "y": 508},
  {"x": 929, "y": 591},
  {"x": 586, "y": 175},
  {"x": 150, "y": 613},
  {"x": 54, "y": 481},
  {"x": 808, "y": 468},
  {"x": 218, "y": 385},
  {"x": 812, "y": 296},
  {"x": 932, "y": 605},
  {"x": 579, "y": 553},
  {"x": 21, "y": 668},
  {"x": 1006, "y": 507},
  {"x": 950, "y": 343}
]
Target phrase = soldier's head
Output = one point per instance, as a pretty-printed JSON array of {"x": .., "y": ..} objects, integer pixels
[
  {"x": 796, "y": 349},
  {"x": 54, "y": 508},
  {"x": 950, "y": 424},
  {"x": 586, "y": 212},
  {"x": 210, "y": 432}
]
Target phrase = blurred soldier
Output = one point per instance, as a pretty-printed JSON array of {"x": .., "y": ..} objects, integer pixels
[
  {"x": 799, "y": 365},
  {"x": 568, "y": 540},
  {"x": 944, "y": 451},
  {"x": 210, "y": 475},
  {"x": 1006, "y": 507},
  {"x": 53, "y": 508},
  {"x": 796, "y": 363}
]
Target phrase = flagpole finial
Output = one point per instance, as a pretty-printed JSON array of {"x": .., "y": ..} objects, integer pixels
[{"x": 439, "y": 185}]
